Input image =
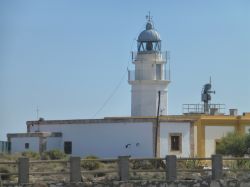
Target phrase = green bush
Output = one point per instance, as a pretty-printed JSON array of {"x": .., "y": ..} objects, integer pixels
[
  {"x": 54, "y": 155},
  {"x": 193, "y": 164},
  {"x": 91, "y": 164},
  {"x": 233, "y": 144},
  {"x": 31, "y": 155}
]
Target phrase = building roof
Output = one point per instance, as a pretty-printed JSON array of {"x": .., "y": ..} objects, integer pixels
[{"x": 150, "y": 34}]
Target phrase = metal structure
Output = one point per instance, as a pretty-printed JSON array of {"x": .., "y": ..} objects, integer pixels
[
  {"x": 206, "y": 96},
  {"x": 206, "y": 107}
]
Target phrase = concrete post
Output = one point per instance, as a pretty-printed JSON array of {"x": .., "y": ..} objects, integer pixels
[
  {"x": 123, "y": 165},
  {"x": 217, "y": 167},
  {"x": 171, "y": 167},
  {"x": 75, "y": 169},
  {"x": 23, "y": 170}
]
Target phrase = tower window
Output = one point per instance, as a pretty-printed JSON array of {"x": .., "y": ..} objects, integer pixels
[
  {"x": 27, "y": 145},
  {"x": 175, "y": 142},
  {"x": 158, "y": 71},
  {"x": 68, "y": 147}
]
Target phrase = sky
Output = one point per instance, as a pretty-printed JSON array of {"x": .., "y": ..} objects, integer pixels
[{"x": 69, "y": 59}]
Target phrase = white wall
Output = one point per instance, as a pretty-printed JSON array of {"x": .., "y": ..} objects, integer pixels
[
  {"x": 144, "y": 99},
  {"x": 105, "y": 139},
  {"x": 211, "y": 134},
  {"x": 166, "y": 129},
  {"x": 54, "y": 143},
  {"x": 18, "y": 144}
]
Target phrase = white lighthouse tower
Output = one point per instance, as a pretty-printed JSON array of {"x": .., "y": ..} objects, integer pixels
[{"x": 150, "y": 78}]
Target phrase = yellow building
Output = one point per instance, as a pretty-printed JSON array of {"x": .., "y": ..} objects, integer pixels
[{"x": 209, "y": 129}]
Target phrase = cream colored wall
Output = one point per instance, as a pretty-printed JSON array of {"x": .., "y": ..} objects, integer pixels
[
  {"x": 195, "y": 140},
  {"x": 213, "y": 133}
]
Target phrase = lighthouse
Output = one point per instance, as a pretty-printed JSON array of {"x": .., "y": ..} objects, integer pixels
[{"x": 150, "y": 77}]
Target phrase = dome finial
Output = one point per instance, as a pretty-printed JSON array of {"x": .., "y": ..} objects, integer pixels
[
  {"x": 149, "y": 24},
  {"x": 148, "y": 17}
]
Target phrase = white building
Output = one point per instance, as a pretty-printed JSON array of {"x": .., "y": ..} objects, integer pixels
[
  {"x": 108, "y": 137},
  {"x": 149, "y": 132},
  {"x": 111, "y": 137}
]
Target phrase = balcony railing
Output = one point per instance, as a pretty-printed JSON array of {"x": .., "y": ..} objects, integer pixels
[
  {"x": 134, "y": 75},
  {"x": 199, "y": 109},
  {"x": 159, "y": 56}
]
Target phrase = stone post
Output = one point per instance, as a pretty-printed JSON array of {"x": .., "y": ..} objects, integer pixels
[
  {"x": 75, "y": 169},
  {"x": 123, "y": 165},
  {"x": 23, "y": 170},
  {"x": 171, "y": 167},
  {"x": 217, "y": 167}
]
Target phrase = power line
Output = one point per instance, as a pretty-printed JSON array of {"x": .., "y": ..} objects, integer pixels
[
  {"x": 111, "y": 95},
  {"x": 116, "y": 87}
]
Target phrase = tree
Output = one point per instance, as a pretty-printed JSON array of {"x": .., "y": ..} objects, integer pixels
[{"x": 234, "y": 144}]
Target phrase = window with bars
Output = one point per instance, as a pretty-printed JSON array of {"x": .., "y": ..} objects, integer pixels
[{"x": 175, "y": 142}]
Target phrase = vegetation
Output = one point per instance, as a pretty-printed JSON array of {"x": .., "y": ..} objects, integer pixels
[
  {"x": 91, "y": 164},
  {"x": 54, "y": 154},
  {"x": 147, "y": 164},
  {"x": 234, "y": 144},
  {"x": 31, "y": 155}
]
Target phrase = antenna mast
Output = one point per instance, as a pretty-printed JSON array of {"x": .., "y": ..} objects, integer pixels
[{"x": 206, "y": 95}]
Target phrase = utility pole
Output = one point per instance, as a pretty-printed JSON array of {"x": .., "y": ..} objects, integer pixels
[{"x": 157, "y": 122}]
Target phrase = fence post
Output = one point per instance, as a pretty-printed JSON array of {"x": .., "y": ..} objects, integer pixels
[
  {"x": 216, "y": 167},
  {"x": 75, "y": 169},
  {"x": 123, "y": 165},
  {"x": 171, "y": 167},
  {"x": 23, "y": 170}
]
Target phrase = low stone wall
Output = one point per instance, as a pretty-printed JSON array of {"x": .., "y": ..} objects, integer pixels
[{"x": 178, "y": 183}]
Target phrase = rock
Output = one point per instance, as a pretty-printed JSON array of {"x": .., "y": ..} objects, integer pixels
[
  {"x": 39, "y": 185},
  {"x": 214, "y": 184},
  {"x": 204, "y": 184},
  {"x": 245, "y": 184}
]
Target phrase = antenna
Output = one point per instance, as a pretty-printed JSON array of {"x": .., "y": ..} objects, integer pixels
[
  {"x": 37, "y": 112},
  {"x": 206, "y": 95}
]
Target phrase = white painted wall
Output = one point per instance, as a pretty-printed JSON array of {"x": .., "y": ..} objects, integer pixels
[
  {"x": 144, "y": 99},
  {"x": 144, "y": 92},
  {"x": 211, "y": 134},
  {"x": 18, "y": 144},
  {"x": 166, "y": 129},
  {"x": 105, "y": 139},
  {"x": 54, "y": 143}
]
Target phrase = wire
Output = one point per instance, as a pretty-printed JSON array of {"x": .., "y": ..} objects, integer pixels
[
  {"x": 111, "y": 95},
  {"x": 116, "y": 87}
]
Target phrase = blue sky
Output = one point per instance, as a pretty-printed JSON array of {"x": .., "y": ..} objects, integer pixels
[{"x": 67, "y": 57}]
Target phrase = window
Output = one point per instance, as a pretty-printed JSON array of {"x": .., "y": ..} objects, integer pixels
[
  {"x": 27, "y": 145},
  {"x": 175, "y": 142},
  {"x": 67, "y": 147},
  {"x": 158, "y": 71}
]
